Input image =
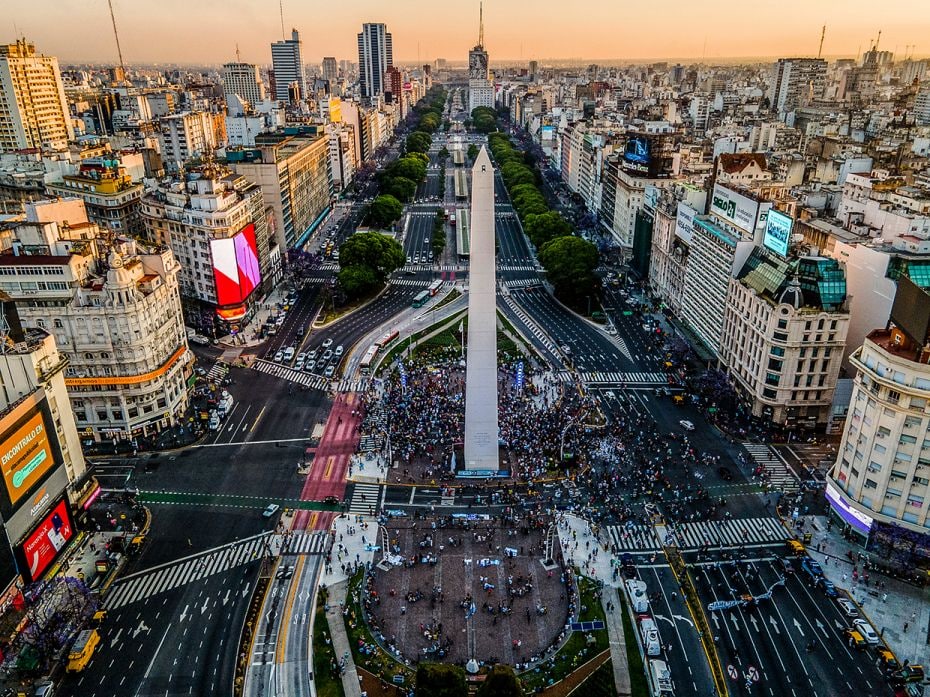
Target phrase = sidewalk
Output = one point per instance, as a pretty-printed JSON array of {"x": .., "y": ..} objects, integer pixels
[
  {"x": 575, "y": 553},
  {"x": 251, "y": 336},
  {"x": 355, "y": 538},
  {"x": 340, "y": 639},
  {"x": 618, "y": 657},
  {"x": 887, "y": 602}
]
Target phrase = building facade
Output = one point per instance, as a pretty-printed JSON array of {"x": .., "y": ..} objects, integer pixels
[
  {"x": 186, "y": 136},
  {"x": 375, "y": 56},
  {"x": 33, "y": 108},
  {"x": 243, "y": 80},
  {"x": 288, "y": 67},
  {"x": 111, "y": 198},
  {"x": 796, "y": 82}
]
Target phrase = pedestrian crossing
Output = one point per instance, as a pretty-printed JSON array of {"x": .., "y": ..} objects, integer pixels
[
  {"x": 352, "y": 385},
  {"x": 414, "y": 282},
  {"x": 625, "y": 378},
  {"x": 286, "y": 373},
  {"x": 624, "y": 349},
  {"x": 533, "y": 328},
  {"x": 366, "y": 499},
  {"x": 167, "y": 577},
  {"x": 690, "y": 536},
  {"x": 522, "y": 283},
  {"x": 217, "y": 372},
  {"x": 780, "y": 476},
  {"x": 518, "y": 267}
]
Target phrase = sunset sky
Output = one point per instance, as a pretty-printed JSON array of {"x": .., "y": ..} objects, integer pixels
[{"x": 207, "y": 31}]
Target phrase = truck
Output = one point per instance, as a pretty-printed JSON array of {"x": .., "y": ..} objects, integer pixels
[
  {"x": 82, "y": 650},
  {"x": 660, "y": 679},
  {"x": 649, "y": 633},
  {"x": 225, "y": 405},
  {"x": 636, "y": 591}
]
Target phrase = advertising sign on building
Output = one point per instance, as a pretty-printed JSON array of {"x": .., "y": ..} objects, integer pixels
[
  {"x": 684, "y": 223},
  {"x": 778, "y": 232},
  {"x": 735, "y": 208},
  {"x": 28, "y": 451},
  {"x": 43, "y": 545}
]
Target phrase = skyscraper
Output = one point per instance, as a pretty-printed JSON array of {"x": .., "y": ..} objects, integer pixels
[
  {"x": 242, "y": 79},
  {"x": 480, "y": 88},
  {"x": 330, "y": 70},
  {"x": 795, "y": 82},
  {"x": 375, "y": 56},
  {"x": 33, "y": 110},
  {"x": 288, "y": 67}
]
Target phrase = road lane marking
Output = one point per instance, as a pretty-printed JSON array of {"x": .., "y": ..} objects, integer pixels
[
  {"x": 258, "y": 418},
  {"x": 329, "y": 467},
  {"x": 284, "y": 622}
]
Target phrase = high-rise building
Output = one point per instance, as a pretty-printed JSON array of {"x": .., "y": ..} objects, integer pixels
[
  {"x": 922, "y": 107},
  {"x": 375, "y": 56},
  {"x": 112, "y": 199},
  {"x": 114, "y": 310},
  {"x": 796, "y": 82},
  {"x": 215, "y": 222},
  {"x": 879, "y": 488},
  {"x": 480, "y": 87},
  {"x": 243, "y": 80},
  {"x": 33, "y": 109},
  {"x": 288, "y": 67},
  {"x": 330, "y": 69},
  {"x": 185, "y": 136}
]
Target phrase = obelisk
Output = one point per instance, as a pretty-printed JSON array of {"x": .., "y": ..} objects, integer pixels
[{"x": 481, "y": 432}]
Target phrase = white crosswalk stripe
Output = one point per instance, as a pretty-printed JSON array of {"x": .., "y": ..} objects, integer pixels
[
  {"x": 533, "y": 328},
  {"x": 713, "y": 533},
  {"x": 625, "y": 378},
  {"x": 217, "y": 372},
  {"x": 415, "y": 282},
  {"x": 518, "y": 267},
  {"x": 350, "y": 385},
  {"x": 781, "y": 476},
  {"x": 365, "y": 499},
  {"x": 162, "y": 579},
  {"x": 522, "y": 283},
  {"x": 284, "y": 372}
]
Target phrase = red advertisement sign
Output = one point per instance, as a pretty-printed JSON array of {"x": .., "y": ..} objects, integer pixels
[{"x": 45, "y": 543}]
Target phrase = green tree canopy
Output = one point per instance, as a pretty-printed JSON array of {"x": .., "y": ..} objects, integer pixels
[
  {"x": 418, "y": 141},
  {"x": 441, "y": 680},
  {"x": 383, "y": 211},
  {"x": 542, "y": 227},
  {"x": 371, "y": 250},
  {"x": 501, "y": 681},
  {"x": 515, "y": 173},
  {"x": 570, "y": 262},
  {"x": 484, "y": 119},
  {"x": 411, "y": 166},
  {"x": 357, "y": 281},
  {"x": 401, "y": 188},
  {"x": 472, "y": 151},
  {"x": 429, "y": 122}
]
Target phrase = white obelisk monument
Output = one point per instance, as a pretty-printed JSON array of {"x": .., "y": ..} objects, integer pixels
[{"x": 481, "y": 433}]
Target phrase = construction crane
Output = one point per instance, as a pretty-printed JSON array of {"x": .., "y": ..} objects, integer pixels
[{"x": 119, "y": 51}]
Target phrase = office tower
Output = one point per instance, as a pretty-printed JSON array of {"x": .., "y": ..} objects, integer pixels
[
  {"x": 534, "y": 69},
  {"x": 480, "y": 88},
  {"x": 330, "y": 69},
  {"x": 375, "y": 56},
  {"x": 243, "y": 79},
  {"x": 33, "y": 109},
  {"x": 796, "y": 82},
  {"x": 288, "y": 67}
]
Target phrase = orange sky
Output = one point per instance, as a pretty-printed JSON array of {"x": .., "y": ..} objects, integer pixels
[{"x": 207, "y": 31}]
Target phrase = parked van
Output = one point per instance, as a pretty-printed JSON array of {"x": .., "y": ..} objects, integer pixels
[
  {"x": 82, "y": 650},
  {"x": 636, "y": 590},
  {"x": 225, "y": 405},
  {"x": 649, "y": 633},
  {"x": 660, "y": 678}
]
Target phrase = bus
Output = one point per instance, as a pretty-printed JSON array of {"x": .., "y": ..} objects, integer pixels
[
  {"x": 368, "y": 358},
  {"x": 419, "y": 300},
  {"x": 82, "y": 650},
  {"x": 434, "y": 287},
  {"x": 386, "y": 339}
]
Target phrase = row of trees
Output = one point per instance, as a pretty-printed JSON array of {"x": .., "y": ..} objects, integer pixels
[
  {"x": 484, "y": 119},
  {"x": 366, "y": 259},
  {"x": 569, "y": 260}
]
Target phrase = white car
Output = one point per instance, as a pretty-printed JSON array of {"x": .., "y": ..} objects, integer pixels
[
  {"x": 339, "y": 350},
  {"x": 687, "y": 425},
  {"x": 327, "y": 343},
  {"x": 271, "y": 510},
  {"x": 279, "y": 356},
  {"x": 848, "y": 607},
  {"x": 867, "y": 632}
]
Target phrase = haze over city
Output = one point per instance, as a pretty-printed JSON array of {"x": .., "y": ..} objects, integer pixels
[{"x": 207, "y": 32}]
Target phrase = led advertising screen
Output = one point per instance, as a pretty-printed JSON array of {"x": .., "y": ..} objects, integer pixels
[
  {"x": 26, "y": 454},
  {"x": 235, "y": 266},
  {"x": 43, "y": 545},
  {"x": 777, "y": 235},
  {"x": 858, "y": 519},
  {"x": 636, "y": 155}
]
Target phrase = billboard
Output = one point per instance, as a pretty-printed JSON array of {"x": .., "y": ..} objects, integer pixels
[
  {"x": 911, "y": 310},
  {"x": 43, "y": 545},
  {"x": 684, "y": 223},
  {"x": 739, "y": 210},
  {"x": 637, "y": 156},
  {"x": 777, "y": 235},
  {"x": 235, "y": 266},
  {"x": 853, "y": 516},
  {"x": 27, "y": 455}
]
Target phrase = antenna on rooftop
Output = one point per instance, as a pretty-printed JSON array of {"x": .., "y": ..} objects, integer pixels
[
  {"x": 119, "y": 51},
  {"x": 281, "y": 9},
  {"x": 237, "y": 52},
  {"x": 481, "y": 24},
  {"x": 823, "y": 33}
]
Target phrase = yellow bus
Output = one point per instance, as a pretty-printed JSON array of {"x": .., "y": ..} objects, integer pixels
[{"x": 82, "y": 650}]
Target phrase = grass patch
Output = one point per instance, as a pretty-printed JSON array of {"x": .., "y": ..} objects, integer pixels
[
  {"x": 638, "y": 685},
  {"x": 600, "y": 683},
  {"x": 577, "y": 650},
  {"x": 449, "y": 297},
  {"x": 325, "y": 666}
]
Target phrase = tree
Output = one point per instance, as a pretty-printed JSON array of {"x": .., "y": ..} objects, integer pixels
[
  {"x": 484, "y": 119},
  {"x": 500, "y": 682},
  {"x": 440, "y": 680},
  {"x": 357, "y": 281},
  {"x": 542, "y": 227},
  {"x": 384, "y": 210},
  {"x": 372, "y": 250},
  {"x": 472, "y": 151},
  {"x": 401, "y": 188},
  {"x": 410, "y": 166},
  {"x": 430, "y": 122},
  {"x": 570, "y": 262},
  {"x": 515, "y": 174},
  {"x": 418, "y": 141}
]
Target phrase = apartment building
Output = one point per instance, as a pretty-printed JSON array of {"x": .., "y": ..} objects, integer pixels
[{"x": 111, "y": 198}]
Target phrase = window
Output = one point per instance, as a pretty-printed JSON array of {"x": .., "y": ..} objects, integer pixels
[
  {"x": 102, "y": 416},
  {"x": 769, "y": 393},
  {"x": 782, "y": 324},
  {"x": 778, "y": 351},
  {"x": 894, "y": 396}
]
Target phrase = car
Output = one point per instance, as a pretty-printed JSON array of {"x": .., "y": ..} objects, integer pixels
[
  {"x": 279, "y": 356},
  {"x": 785, "y": 565},
  {"x": 310, "y": 365},
  {"x": 812, "y": 569},
  {"x": 848, "y": 607},
  {"x": 332, "y": 500},
  {"x": 311, "y": 355},
  {"x": 725, "y": 474},
  {"x": 327, "y": 343},
  {"x": 299, "y": 364},
  {"x": 908, "y": 674},
  {"x": 327, "y": 355},
  {"x": 566, "y": 349},
  {"x": 867, "y": 632},
  {"x": 854, "y": 639},
  {"x": 687, "y": 425},
  {"x": 826, "y": 585},
  {"x": 339, "y": 350},
  {"x": 270, "y": 510},
  {"x": 887, "y": 660},
  {"x": 301, "y": 357},
  {"x": 328, "y": 373}
]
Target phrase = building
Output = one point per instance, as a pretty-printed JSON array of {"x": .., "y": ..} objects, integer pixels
[
  {"x": 186, "y": 136},
  {"x": 216, "y": 224},
  {"x": 295, "y": 177},
  {"x": 330, "y": 70},
  {"x": 244, "y": 81},
  {"x": 115, "y": 312},
  {"x": 784, "y": 335},
  {"x": 375, "y": 56},
  {"x": 111, "y": 197},
  {"x": 879, "y": 488},
  {"x": 796, "y": 82},
  {"x": 288, "y": 68},
  {"x": 33, "y": 108},
  {"x": 480, "y": 87}
]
